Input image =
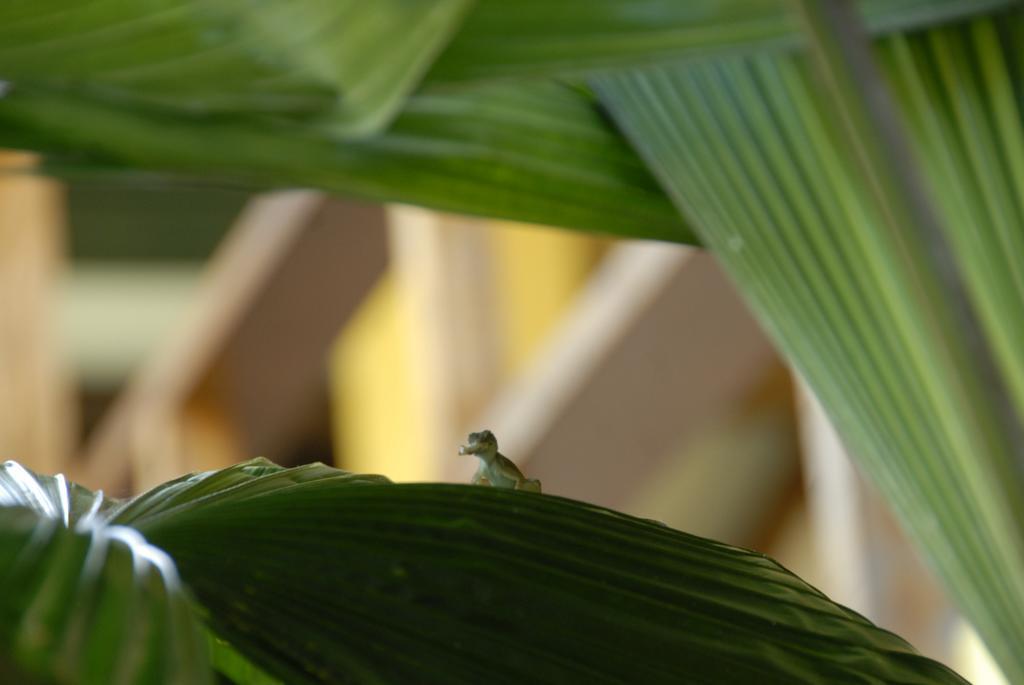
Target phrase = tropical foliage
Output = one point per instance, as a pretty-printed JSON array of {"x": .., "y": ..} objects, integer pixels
[
  {"x": 321, "y": 576},
  {"x": 866, "y": 195}
]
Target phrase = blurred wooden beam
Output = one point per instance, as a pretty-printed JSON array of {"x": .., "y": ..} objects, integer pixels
[
  {"x": 443, "y": 266},
  {"x": 837, "y": 506},
  {"x": 231, "y": 383},
  {"x": 658, "y": 345},
  {"x": 865, "y": 560},
  {"x": 37, "y": 409},
  {"x": 114, "y": 314},
  {"x": 733, "y": 478}
]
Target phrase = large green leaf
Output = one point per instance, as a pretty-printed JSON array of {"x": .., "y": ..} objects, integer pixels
[
  {"x": 531, "y": 38},
  {"x": 316, "y": 575},
  {"x": 350, "y": 62},
  {"x": 322, "y": 577},
  {"x": 753, "y": 152},
  {"x": 541, "y": 153},
  {"x": 89, "y": 603},
  {"x": 212, "y": 89},
  {"x": 337, "y": 64}
]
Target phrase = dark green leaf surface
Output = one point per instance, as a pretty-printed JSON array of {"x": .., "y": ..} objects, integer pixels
[
  {"x": 93, "y": 605},
  {"x": 233, "y": 667},
  {"x": 330, "y": 582},
  {"x": 541, "y": 153},
  {"x": 752, "y": 151},
  {"x": 337, "y": 64},
  {"x": 10, "y": 673}
]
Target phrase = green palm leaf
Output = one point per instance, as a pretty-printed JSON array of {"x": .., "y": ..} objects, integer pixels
[
  {"x": 214, "y": 90},
  {"x": 320, "y": 576},
  {"x": 541, "y": 153},
  {"x": 441, "y": 583},
  {"x": 755, "y": 156},
  {"x": 85, "y": 602},
  {"x": 749, "y": 147},
  {"x": 503, "y": 39},
  {"x": 337, "y": 66}
]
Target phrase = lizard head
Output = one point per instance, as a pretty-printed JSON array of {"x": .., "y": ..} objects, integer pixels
[{"x": 480, "y": 443}]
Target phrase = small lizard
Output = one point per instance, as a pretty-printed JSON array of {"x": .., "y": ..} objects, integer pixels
[{"x": 495, "y": 469}]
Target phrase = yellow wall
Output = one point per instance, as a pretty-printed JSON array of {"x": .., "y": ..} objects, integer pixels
[
  {"x": 375, "y": 427},
  {"x": 538, "y": 272},
  {"x": 379, "y": 422}
]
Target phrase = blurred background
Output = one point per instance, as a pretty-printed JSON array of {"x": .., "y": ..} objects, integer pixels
[{"x": 148, "y": 330}]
